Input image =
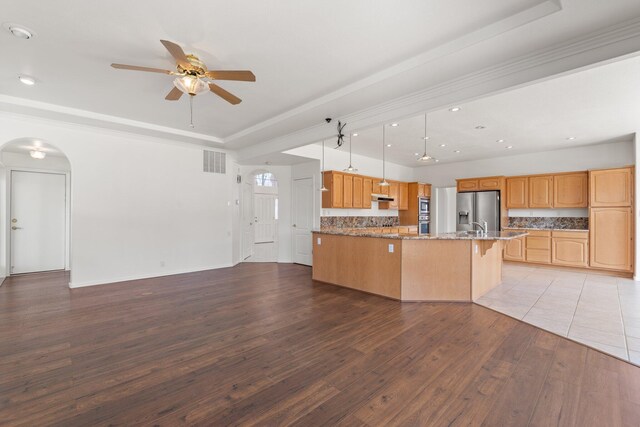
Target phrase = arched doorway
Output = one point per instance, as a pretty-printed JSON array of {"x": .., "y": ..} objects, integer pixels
[
  {"x": 260, "y": 217},
  {"x": 35, "y": 178}
]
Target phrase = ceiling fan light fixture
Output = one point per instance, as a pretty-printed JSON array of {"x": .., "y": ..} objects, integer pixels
[
  {"x": 190, "y": 85},
  {"x": 37, "y": 154}
]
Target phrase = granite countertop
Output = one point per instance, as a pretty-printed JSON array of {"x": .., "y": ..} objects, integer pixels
[
  {"x": 544, "y": 229},
  {"x": 363, "y": 232}
]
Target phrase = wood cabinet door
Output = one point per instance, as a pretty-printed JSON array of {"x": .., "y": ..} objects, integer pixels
[
  {"x": 467, "y": 185},
  {"x": 403, "y": 196},
  {"x": 337, "y": 190},
  {"x": 541, "y": 191},
  {"x": 394, "y": 193},
  {"x": 492, "y": 183},
  {"x": 514, "y": 250},
  {"x": 610, "y": 238},
  {"x": 347, "y": 199},
  {"x": 571, "y": 190},
  {"x": 420, "y": 190},
  {"x": 570, "y": 251},
  {"x": 367, "y": 189},
  {"x": 518, "y": 192},
  {"x": 357, "y": 191},
  {"x": 611, "y": 187},
  {"x": 427, "y": 190}
]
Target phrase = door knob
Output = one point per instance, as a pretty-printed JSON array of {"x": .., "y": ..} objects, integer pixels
[
  {"x": 16, "y": 228},
  {"x": 294, "y": 225}
]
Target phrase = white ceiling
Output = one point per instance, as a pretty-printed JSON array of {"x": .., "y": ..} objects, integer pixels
[
  {"x": 312, "y": 59},
  {"x": 593, "y": 106}
]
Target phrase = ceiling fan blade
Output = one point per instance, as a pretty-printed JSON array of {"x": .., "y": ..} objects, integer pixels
[
  {"x": 239, "y": 75},
  {"x": 227, "y": 96},
  {"x": 136, "y": 68},
  {"x": 177, "y": 52},
  {"x": 174, "y": 94}
]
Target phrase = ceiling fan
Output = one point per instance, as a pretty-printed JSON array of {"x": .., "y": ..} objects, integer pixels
[{"x": 193, "y": 77}]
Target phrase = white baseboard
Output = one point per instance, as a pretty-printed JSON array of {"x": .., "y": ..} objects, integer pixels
[{"x": 143, "y": 276}]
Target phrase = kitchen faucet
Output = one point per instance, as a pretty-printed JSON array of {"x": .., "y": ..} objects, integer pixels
[{"x": 482, "y": 226}]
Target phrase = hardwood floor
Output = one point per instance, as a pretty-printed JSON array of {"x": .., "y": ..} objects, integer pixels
[{"x": 262, "y": 344}]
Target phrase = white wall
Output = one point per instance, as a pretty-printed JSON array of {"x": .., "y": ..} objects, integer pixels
[
  {"x": 142, "y": 206},
  {"x": 572, "y": 159},
  {"x": 636, "y": 150}
]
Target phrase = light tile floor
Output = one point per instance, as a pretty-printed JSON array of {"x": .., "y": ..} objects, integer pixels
[{"x": 602, "y": 312}]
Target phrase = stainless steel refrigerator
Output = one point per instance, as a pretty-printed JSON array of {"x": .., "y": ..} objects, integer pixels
[{"x": 478, "y": 207}]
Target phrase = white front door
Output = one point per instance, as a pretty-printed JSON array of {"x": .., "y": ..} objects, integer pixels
[
  {"x": 38, "y": 221},
  {"x": 264, "y": 207},
  {"x": 247, "y": 221},
  {"x": 302, "y": 220}
]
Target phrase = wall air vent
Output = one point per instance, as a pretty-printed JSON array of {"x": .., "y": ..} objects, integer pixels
[{"x": 214, "y": 162}]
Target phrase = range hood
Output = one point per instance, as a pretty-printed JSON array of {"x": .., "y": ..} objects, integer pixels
[{"x": 381, "y": 198}]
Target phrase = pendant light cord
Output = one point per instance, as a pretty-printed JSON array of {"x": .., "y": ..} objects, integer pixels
[
  {"x": 425, "y": 133},
  {"x": 384, "y": 177}
]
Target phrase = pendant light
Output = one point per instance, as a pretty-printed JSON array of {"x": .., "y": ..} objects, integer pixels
[
  {"x": 322, "y": 170},
  {"x": 384, "y": 182},
  {"x": 425, "y": 157},
  {"x": 350, "y": 168}
]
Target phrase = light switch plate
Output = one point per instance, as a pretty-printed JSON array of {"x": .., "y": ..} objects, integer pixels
[
  {"x": 319, "y": 241},
  {"x": 390, "y": 248}
]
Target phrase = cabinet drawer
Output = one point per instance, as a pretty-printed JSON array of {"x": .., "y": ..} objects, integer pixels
[
  {"x": 539, "y": 233},
  {"x": 571, "y": 234},
  {"x": 543, "y": 243},
  {"x": 538, "y": 255}
]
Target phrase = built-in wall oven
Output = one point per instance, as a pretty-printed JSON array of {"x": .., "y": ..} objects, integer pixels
[{"x": 424, "y": 216}]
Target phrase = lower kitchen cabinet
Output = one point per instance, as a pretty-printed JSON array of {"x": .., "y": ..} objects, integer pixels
[
  {"x": 570, "y": 248},
  {"x": 538, "y": 247},
  {"x": 515, "y": 249},
  {"x": 611, "y": 238}
]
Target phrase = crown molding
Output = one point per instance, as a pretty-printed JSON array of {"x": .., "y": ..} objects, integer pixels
[{"x": 606, "y": 45}]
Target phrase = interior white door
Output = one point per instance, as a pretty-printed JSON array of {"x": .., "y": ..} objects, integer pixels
[
  {"x": 264, "y": 208},
  {"x": 247, "y": 221},
  {"x": 302, "y": 220},
  {"x": 38, "y": 221}
]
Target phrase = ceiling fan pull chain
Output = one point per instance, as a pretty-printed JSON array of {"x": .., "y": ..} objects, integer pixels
[{"x": 191, "y": 109}]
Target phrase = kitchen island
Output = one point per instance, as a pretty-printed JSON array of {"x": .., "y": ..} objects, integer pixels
[{"x": 410, "y": 267}]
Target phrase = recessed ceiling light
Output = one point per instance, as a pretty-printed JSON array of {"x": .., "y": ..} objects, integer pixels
[
  {"x": 454, "y": 109},
  {"x": 437, "y": 160},
  {"x": 425, "y": 137},
  {"x": 20, "y": 32},
  {"x": 395, "y": 125},
  {"x": 443, "y": 145},
  {"x": 571, "y": 138},
  {"x": 481, "y": 127},
  {"x": 500, "y": 140},
  {"x": 388, "y": 145},
  {"x": 416, "y": 154},
  {"x": 509, "y": 147},
  {"x": 355, "y": 134},
  {"x": 456, "y": 151},
  {"x": 29, "y": 81}
]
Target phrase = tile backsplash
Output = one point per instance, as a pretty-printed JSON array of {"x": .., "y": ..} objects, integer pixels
[
  {"x": 567, "y": 223},
  {"x": 358, "y": 221}
]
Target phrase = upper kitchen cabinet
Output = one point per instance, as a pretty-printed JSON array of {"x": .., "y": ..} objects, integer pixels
[
  {"x": 403, "y": 196},
  {"x": 468, "y": 185},
  {"x": 490, "y": 183},
  {"x": 347, "y": 200},
  {"x": 518, "y": 192},
  {"x": 394, "y": 192},
  {"x": 334, "y": 182},
  {"x": 367, "y": 189},
  {"x": 611, "y": 187},
  {"x": 357, "y": 191},
  {"x": 571, "y": 190},
  {"x": 541, "y": 191}
]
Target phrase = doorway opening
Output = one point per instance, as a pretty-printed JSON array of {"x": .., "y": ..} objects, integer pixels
[
  {"x": 35, "y": 234},
  {"x": 260, "y": 217}
]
